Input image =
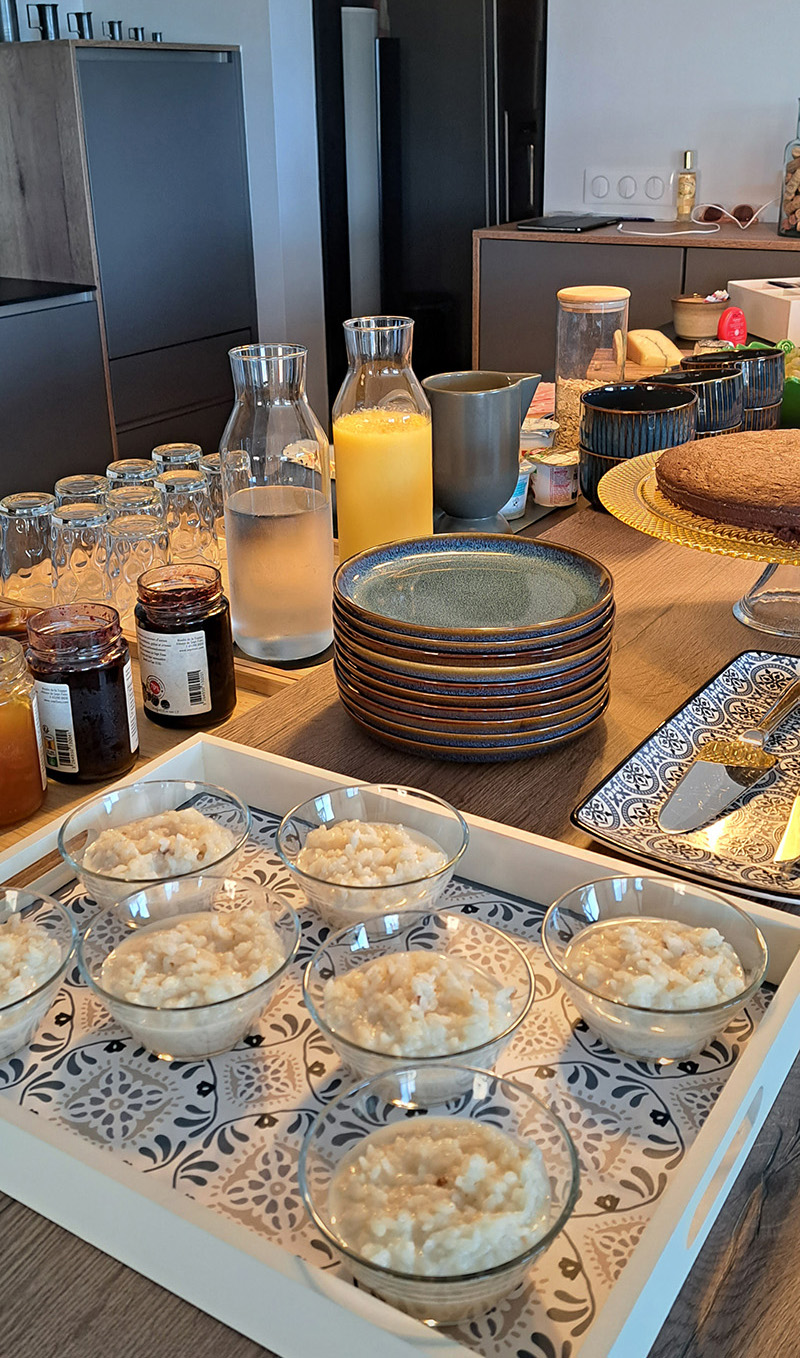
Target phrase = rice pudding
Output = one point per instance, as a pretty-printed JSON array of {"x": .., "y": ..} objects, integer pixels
[
  {"x": 194, "y": 959},
  {"x": 29, "y": 956},
  {"x": 417, "y": 1003},
  {"x": 369, "y": 853},
  {"x": 440, "y": 1197},
  {"x": 169, "y": 844},
  {"x": 653, "y": 963}
]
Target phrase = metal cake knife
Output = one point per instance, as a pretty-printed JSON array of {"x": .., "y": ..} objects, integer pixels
[{"x": 723, "y": 770}]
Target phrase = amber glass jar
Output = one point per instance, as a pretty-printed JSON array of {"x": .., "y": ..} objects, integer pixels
[
  {"x": 84, "y": 685},
  {"x": 23, "y": 783},
  {"x": 183, "y": 630}
]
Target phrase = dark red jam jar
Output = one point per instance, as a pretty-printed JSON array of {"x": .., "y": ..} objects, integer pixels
[
  {"x": 84, "y": 688},
  {"x": 183, "y": 631}
]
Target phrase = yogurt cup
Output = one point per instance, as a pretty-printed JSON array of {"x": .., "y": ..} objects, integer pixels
[
  {"x": 538, "y": 432},
  {"x": 515, "y": 508},
  {"x": 554, "y": 477}
]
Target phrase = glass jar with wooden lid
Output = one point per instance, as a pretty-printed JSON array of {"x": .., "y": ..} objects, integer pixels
[{"x": 591, "y": 338}]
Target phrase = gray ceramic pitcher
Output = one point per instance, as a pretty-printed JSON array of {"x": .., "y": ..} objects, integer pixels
[{"x": 476, "y": 423}]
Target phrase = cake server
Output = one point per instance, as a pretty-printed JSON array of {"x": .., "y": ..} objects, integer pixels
[{"x": 724, "y": 769}]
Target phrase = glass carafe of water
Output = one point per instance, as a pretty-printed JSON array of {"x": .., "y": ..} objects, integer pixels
[{"x": 277, "y": 493}]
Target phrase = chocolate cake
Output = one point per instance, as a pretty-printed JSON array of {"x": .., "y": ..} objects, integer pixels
[{"x": 751, "y": 480}]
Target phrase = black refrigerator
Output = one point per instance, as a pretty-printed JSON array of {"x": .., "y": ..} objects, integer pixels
[{"x": 430, "y": 119}]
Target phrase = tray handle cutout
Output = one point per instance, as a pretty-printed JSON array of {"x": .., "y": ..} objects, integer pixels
[{"x": 717, "y": 1182}]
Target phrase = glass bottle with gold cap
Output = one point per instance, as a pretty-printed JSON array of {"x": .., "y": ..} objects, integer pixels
[{"x": 591, "y": 338}]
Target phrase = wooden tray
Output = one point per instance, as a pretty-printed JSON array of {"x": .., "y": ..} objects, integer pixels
[{"x": 130, "y": 1204}]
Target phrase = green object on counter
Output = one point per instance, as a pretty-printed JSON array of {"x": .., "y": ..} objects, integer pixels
[{"x": 790, "y": 409}]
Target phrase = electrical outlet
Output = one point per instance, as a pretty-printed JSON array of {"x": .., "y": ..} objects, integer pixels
[{"x": 627, "y": 188}]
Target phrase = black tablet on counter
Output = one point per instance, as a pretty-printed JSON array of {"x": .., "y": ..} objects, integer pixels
[{"x": 566, "y": 221}]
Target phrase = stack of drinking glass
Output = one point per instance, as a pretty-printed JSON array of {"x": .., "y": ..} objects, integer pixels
[{"x": 94, "y": 536}]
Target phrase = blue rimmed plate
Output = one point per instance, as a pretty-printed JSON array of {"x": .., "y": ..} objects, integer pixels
[
  {"x": 488, "y": 754},
  {"x": 736, "y": 850},
  {"x": 475, "y": 586}
]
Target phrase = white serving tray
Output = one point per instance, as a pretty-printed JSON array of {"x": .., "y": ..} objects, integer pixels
[{"x": 286, "y": 1304}]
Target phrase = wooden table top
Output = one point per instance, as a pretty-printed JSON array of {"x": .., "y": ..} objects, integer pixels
[{"x": 674, "y": 630}]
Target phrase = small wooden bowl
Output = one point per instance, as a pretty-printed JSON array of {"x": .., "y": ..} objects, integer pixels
[{"x": 695, "y": 318}]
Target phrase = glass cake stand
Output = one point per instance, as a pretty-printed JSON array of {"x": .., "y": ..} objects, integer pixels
[{"x": 630, "y": 493}]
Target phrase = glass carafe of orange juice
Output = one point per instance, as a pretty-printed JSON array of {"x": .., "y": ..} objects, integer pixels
[{"x": 381, "y": 438}]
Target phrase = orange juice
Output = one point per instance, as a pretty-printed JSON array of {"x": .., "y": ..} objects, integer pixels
[{"x": 384, "y": 477}]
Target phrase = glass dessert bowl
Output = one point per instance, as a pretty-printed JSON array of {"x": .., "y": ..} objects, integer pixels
[
  {"x": 648, "y": 1009},
  {"x": 442, "y": 1212},
  {"x": 371, "y": 848},
  {"x": 419, "y": 988}
]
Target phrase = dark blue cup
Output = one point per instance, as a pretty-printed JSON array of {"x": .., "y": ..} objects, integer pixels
[
  {"x": 762, "y": 417},
  {"x": 720, "y": 394},
  {"x": 763, "y": 372},
  {"x": 626, "y": 419}
]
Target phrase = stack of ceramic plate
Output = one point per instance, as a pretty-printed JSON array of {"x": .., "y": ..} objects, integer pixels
[{"x": 473, "y": 647}]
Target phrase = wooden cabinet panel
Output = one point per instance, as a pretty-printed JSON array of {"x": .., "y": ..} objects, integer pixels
[{"x": 519, "y": 281}]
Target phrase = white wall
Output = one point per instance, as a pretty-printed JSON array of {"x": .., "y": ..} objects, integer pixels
[
  {"x": 276, "y": 38},
  {"x": 634, "y": 83}
]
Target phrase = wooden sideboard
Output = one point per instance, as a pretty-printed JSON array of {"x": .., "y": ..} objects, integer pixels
[{"x": 516, "y": 275}]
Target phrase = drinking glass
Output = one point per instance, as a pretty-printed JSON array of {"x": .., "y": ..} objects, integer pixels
[
  {"x": 173, "y": 456},
  {"x": 381, "y": 438},
  {"x": 25, "y": 562},
  {"x": 82, "y": 489},
  {"x": 211, "y": 465},
  {"x": 137, "y": 500},
  {"x": 136, "y": 542},
  {"x": 132, "y": 471},
  {"x": 189, "y": 516},
  {"x": 79, "y": 548},
  {"x": 278, "y": 529}
]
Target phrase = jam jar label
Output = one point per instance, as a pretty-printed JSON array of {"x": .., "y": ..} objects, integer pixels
[
  {"x": 37, "y": 726},
  {"x": 174, "y": 671},
  {"x": 58, "y": 730},
  {"x": 130, "y": 703}
]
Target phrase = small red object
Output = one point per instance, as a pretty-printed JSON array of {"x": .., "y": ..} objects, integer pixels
[{"x": 732, "y": 325}]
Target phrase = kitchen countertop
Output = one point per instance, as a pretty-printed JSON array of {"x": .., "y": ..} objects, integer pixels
[
  {"x": 17, "y": 291},
  {"x": 674, "y": 630},
  {"x": 761, "y": 236}
]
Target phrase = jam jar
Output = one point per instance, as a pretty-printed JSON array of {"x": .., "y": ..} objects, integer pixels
[
  {"x": 183, "y": 630},
  {"x": 24, "y": 781},
  {"x": 84, "y": 686}
]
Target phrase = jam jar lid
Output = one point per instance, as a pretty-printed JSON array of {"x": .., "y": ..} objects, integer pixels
[
  {"x": 74, "y": 632},
  {"x": 12, "y": 662},
  {"x": 180, "y": 592}
]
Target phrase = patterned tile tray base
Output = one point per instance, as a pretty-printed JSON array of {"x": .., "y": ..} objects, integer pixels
[
  {"x": 736, "y": 850},
  {"x": 226, "y": 1131}
]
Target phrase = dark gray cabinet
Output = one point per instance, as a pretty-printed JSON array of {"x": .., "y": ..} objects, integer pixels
[
  {"x": 518, "y": 285},
  {"x": 52, "y": 393},
  {"x": 123, "y": 167},
  {"x": 517, "y": 275},
  {"x": 166, "y": 153}
]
